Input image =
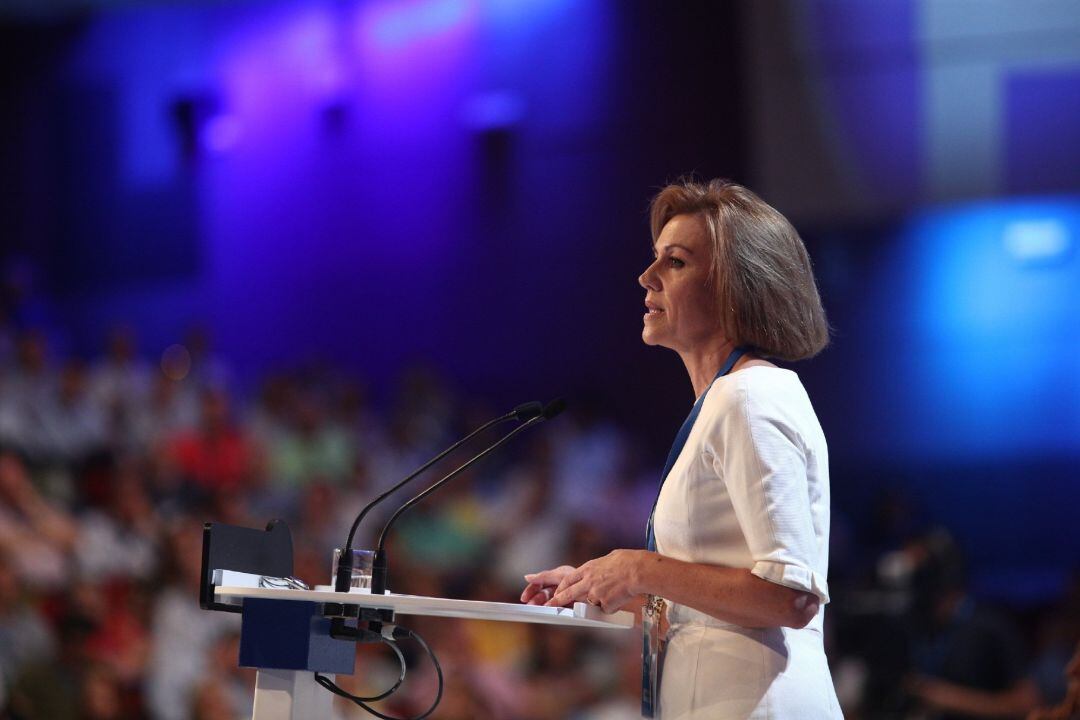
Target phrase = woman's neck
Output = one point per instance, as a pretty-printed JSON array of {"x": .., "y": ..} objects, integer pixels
[{"x": 702, "y": 363}]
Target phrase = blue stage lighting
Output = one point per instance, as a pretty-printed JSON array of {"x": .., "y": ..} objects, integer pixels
[{"x": 1037, "y": 241}]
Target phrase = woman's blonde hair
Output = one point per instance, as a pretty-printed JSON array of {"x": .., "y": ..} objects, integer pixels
[{"x": 760, "y": 269}]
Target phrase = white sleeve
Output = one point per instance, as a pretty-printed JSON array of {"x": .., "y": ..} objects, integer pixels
[{"x": 763, "y": 465}]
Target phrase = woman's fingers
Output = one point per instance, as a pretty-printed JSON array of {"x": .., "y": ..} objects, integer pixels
[
  {"x": 549, "y": 577},
  {"x": 571, "y": 578},
  {"x": 541, "y": 585},
  {"x": 541, "y": 596},
  {"x": 569, "y": 594},
  {"x": 533, "y": 591},
  {"x": 562, "y": 586},
  {"x": 529, "y": 592}
]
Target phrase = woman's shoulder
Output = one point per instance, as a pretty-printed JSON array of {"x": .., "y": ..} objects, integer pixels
[
  {"x": 758, "y": 392},
  {"x": 758, "y": 383}
]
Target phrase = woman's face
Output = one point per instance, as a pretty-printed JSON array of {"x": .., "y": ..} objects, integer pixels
[{"x": 681, "y": 303}]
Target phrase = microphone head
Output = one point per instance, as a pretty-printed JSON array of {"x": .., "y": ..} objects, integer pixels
[
  {"x": 527, "y": 411},
  {"x": 553, "y": 408}
]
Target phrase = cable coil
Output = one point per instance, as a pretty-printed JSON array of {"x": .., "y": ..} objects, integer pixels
[{"x": 398, "y": 632}]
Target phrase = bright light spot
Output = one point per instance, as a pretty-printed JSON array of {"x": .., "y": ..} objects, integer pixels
[
  {"x": 400, "y": 23},
  {"x": 1036, "y": 240}
]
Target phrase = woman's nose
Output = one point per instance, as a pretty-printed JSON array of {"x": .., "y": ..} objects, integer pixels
[{"x": 647, "y": 279}]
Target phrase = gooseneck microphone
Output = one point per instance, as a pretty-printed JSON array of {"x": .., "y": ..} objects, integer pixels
[
  {"x": 377, "y": 629},
  {"x": 526, "y": 413},
  {"x": 379, "y": 569}
]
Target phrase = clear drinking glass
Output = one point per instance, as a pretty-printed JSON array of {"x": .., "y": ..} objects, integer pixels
[{"x": 363, "y": 561}]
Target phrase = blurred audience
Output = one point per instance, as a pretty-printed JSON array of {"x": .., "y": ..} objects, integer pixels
[
  {"x": 37, "y": 533},
  {"x": 109, "y": 466},
  {"x": 25, "y": 637},
  {"x": 120, "y": 382}
]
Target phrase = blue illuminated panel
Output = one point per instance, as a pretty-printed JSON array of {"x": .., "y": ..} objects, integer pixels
[{"x": 980, "y": 312}]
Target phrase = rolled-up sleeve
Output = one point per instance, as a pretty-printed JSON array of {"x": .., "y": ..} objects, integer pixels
[{"x": 764, "y": 467}]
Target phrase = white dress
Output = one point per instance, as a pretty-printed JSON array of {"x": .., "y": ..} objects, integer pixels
[{"x": 750, "y": 489}]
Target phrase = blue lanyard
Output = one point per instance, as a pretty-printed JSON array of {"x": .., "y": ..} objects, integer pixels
[{"x": 684, "y": 433}]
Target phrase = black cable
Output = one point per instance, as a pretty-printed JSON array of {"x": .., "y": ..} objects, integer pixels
[
  {"x": 329, "y": 684},
  {"x": 401, "y": 677}
]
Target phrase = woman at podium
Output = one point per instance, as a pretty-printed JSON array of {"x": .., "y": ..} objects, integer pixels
[{"x": 738, "y": 539}]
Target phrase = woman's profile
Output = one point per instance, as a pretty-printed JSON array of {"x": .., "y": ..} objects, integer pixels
[{"x": 737, "y": 544}]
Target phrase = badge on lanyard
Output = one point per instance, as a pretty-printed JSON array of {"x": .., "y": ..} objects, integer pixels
[{"x": 651, "y": 616}]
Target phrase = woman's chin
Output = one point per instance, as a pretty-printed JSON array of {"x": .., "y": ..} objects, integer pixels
[{"x": 649, "y": 336}]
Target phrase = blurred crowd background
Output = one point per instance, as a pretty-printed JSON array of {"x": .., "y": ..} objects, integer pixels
[{"x": 261, "y": 259}]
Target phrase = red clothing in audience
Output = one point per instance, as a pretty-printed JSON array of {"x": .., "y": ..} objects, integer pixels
[{"x": 215, "y": 462}]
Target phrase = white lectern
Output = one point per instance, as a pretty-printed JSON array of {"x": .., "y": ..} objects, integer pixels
[{"x": 285, "y": 632}]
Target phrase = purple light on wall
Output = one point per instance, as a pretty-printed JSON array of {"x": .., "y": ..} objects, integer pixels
[
  {"x": 312, "y": 46},
  {"x": 292, "y": 61},
  {"x": 392, "y": 25},
  {"x": 221, "y": 133},
  {"x": 414, "y": 60}
]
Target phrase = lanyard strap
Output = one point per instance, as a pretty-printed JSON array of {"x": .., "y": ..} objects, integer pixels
[
  {"x": 654, "y": 605},
  {"x": 684, "y": 433}
]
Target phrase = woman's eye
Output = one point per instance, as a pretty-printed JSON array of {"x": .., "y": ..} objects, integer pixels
[{"x": 675, "y": 262}]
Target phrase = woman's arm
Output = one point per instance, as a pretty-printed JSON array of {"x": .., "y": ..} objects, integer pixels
[{"x": 728, "y": 594}]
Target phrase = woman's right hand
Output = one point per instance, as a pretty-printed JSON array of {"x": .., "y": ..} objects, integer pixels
[{"x": 542, "y": 584}]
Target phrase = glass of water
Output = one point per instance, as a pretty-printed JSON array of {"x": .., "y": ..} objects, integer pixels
[{"x": 363, "y": 561}]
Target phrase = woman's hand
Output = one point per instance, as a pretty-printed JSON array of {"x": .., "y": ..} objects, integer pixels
[
  {"x": 609, "y": 582},
  {"x": 542, "y": 584}
]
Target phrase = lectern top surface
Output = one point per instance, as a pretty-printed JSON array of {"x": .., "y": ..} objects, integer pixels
[{"x": 581, "y": 615}]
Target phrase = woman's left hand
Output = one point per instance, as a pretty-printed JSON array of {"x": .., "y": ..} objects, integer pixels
[{"x": 609, "y": 582}]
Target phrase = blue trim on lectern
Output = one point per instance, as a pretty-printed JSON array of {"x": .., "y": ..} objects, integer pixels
[{"x": 291, "y": 635}]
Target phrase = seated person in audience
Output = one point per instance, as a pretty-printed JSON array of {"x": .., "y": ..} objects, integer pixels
[{"x": 969, "y": 662}]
